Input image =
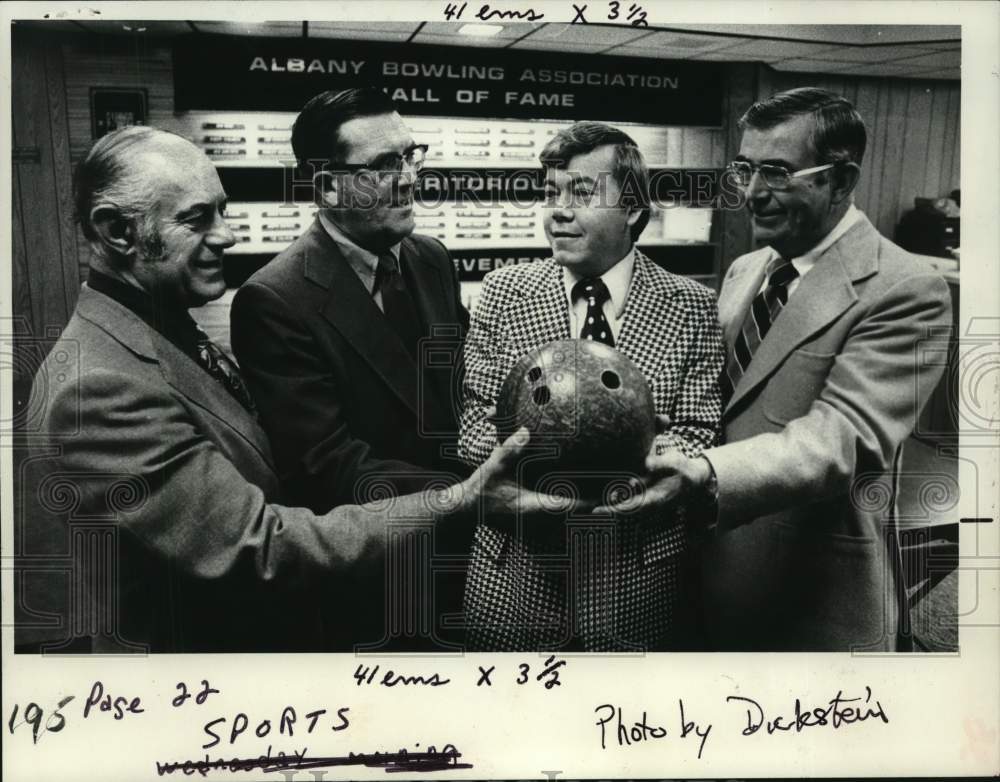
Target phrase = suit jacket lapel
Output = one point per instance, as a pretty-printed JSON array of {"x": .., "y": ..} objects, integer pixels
[
  {"x": 821, "y": 297},
  {"x": 351, "y": 310},
  {"x": 192, "y": 381},
  {"x": 429, "y": 290},
  {"x": 647, "y": 326},
  {"x": 178, "y": 369},
  {"x": 737, "y": 296},
  {"x": 541, "y": 315}
]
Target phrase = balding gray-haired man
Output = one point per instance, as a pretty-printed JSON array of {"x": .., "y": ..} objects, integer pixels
[{"x": 155, "y": 434}]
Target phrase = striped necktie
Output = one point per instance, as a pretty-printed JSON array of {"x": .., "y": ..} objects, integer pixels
[
  {"x": 595, "y": 324},
  {"x": 764, "y": 310}
]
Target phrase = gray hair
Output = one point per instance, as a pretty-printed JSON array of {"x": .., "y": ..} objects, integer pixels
[
  {"x": 839, "y": 135},
  {"x": 107, "y": 176}
]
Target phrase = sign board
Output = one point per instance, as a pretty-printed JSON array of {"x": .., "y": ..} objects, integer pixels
[{"x": 263, "y": 74}]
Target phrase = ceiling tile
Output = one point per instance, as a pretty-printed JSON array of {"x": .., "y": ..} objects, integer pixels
[
  {"x": 719, "y": 56},
  {"x": 262, "y": 29},
  {"x": 46, "y": 25},
  {"x": 452, "y": 40},
  {"x": 142, "y": 27},
  {"x": 389, "y": 27},
  {"x": 812, "y": 66},
  {"x": 885, "y": 69},
  {"x": 688, "y": 43},
  {"x": 768, "y": 51},
  {"x": 450, "y": 29},
  {"x": 836, "y": 33},
  {"x": 552, "y": 46},
  {"x": 374, "y": 33},
  {"x": 599, "y": 35},
  {"x": 858, "y": 54},
  {"x": 909, "y": 33},
  {"x": 952, "y": 59}
]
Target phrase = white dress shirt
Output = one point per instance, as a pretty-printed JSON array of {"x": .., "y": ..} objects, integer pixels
[
  {"x": 618, "y": 279},
  {"x": 805, "y": 262}
]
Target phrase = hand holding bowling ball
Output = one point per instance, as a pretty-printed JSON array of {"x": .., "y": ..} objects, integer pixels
[{"x": 590, "y": 413}]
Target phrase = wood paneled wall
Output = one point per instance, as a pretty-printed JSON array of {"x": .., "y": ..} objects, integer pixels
[
  {"x": 913, "y": 138},
  {"x": 44, "y": 243}
]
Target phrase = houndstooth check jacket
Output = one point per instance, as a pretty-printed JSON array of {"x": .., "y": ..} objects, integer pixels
[{"x": 590, "y": 583}]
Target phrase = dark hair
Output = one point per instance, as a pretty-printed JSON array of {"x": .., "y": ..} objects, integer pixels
[
  {"x": 316, "y": 132},
  {"x": 629, "y": 167},
  {"x": 839, "y": 135}
]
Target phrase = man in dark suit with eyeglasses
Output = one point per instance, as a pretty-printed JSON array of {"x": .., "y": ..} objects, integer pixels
[{"x": 341, "y": 336}]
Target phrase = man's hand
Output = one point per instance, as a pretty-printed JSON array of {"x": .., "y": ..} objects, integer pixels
[
  {"x": 670, "y": 477},
  {"x": 492, "y": 490}
]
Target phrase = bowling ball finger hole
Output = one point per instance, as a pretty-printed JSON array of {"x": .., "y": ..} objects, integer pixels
[
  {"x": 611, "y": 379},
  {"x": 534, "y": 373},
  {"x": 541, "y": 395}
]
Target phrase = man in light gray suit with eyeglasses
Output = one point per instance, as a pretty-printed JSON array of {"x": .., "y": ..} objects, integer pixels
[{"x": 824, "y": 380}]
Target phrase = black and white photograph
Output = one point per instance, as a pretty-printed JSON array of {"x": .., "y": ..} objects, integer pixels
[{"x": 571, "y": 378}]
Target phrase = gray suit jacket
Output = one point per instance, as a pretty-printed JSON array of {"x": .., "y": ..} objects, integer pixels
[
  {"x": 156, "y": 494},
  {"x": 806, "y": 477}
]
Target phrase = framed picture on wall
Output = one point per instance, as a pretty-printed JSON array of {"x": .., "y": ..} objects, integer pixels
[{"x": 111, "y": 109}]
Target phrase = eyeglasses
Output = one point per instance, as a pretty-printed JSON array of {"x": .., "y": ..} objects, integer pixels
[
  {"x": 775, "y": 177},
  {"x": 392, "y": 163}
]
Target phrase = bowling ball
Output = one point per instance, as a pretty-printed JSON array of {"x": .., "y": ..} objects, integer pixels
[{"x": 589, "y": 404}]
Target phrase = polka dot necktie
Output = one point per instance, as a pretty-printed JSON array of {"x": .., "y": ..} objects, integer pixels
[
  {"x": 764, "y": 310},
  {"x": 595, "y": 324}
]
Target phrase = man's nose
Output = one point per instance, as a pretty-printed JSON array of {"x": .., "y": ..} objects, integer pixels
[
  {"x": 561, "y": 208},
  {"x": 756, "y": 189},
  {"x": 221, "y": 234},
  {"x": 408, "y": 174}
]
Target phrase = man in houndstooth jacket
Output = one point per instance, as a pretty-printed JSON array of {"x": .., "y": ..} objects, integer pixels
[{"x": 604, "y": 584}]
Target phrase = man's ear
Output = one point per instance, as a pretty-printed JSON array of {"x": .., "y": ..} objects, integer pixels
[
  {"x": 325, "y": 187},
  {"x": 634, "y": 212},
  {"x": 843, "y": 178},
  {"x": 115, "y": 231}
]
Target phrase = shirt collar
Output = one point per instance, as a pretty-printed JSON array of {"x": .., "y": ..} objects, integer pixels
[
  {"x": 363, "y": 261},
  {"x": 176, "y": 325},
  {"x": 807, "y": 260},
  {"x": 618, "y": 279}
]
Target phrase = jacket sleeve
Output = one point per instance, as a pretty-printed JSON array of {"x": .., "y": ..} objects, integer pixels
[
  {"x": 484, "y": 368},
  {"x": 301, "y": 406},
  {"x": 185, "y": 500},
  {"x": 869, "y": 404},
  {"x": 697, "y": 408}
]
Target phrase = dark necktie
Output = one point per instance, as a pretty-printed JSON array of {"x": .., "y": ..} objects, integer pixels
[
  {"x": 764, "y": 310},
  {"x": 397, "y": 304},
  {"x": 214, "y": 361},
  {"x": 595, "y": 324}
]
